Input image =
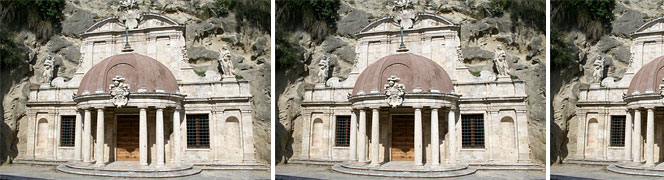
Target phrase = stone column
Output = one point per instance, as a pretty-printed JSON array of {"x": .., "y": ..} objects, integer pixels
[
  {"x": 143, "y": 136},
  {"x": 99, "y": 149},
  {"x": 636, "y": 138},
  {"x": 435, "y": 141},
  {"x": 628, "y": 136},
  {"x": 418, "y": 136},
  {"x": 353, "y": 136},
  {"x": 361, "y": 139},
  {"x": 375, "y": 129},
  {"x": 159, "y": 129},
  {"x": 451, "y": 131},
  {"x": 176, "y": 135},
  {"x": 650, "y": 138},
  {"x": 78, "y": 135},
  {"x": 86, "y": 137}
]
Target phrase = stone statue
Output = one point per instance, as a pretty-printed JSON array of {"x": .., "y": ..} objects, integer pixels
[
  {"x": 324, "y": 67},
  {"x": 119, "y": 91},
  {"x": 225, "y": 61},
  {"x": 394, "y": 91},
  {"x": 48, "y": 69},
  {"x": 80, "y": 61},
  {"x": 459, "y": 54},
  {"x": 406, "y": 16},
  {"x": 598, "y": 67},
  {"x": 130, "y": 13},
  {"x": 500, "y": 60}
]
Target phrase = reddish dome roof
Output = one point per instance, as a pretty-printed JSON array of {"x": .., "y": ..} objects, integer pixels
[
  {"x": 138, "y": 70},
  {"x": 648, "y": 78},
  {"x": 414, "y": 71}
]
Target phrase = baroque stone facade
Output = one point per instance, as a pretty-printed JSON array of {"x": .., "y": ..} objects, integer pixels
[
  {"x": 618, "y": 121},
  {"x": 146, "y": 87},
  {"x": 425, "y": 84}
]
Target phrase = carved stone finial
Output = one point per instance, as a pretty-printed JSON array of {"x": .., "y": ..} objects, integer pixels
[
  {"x": 49, "y": 68},
  {"x": 130, "y": 13},
  {"x": 119, "y": 91},
  {"x": 324, "y": 66},
  {"x": 405, "y": 15},
  {"x": 225, "y": 62},
  {"x": 500, "y": 59},
  {"x": 598, "y": 67},
  {"x": 394, "y": 91}
]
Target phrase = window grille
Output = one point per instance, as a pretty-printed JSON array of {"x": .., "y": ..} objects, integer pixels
[
  {"x": 472, "y": 130},
  {"x": 342, "y": 135},
  {"x": 67, "y": 131},
  {"x": 198, "y": 132},
  {"x": 617, "y": 131}
]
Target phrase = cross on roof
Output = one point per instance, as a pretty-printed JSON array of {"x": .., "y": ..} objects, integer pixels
[
  {"x": 402, "y": 46},
  {"x": 126, "y": 35}
]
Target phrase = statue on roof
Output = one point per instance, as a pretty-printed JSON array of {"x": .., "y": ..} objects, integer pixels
[
  {"x": 324, "y": 65},
  {"x": 225, "y": 61},
  {"x": 130, "y": 14},
  {"x": 405, "y": 15},
  {"x": 598, "y": 67},
  {"x": 49, "y": 67},
  {"x": 500, "y": 59}
]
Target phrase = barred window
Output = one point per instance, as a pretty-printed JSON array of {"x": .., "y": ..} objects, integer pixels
[
  {"x": 198, "y": 132},
  {"x": 67, "y": 131},
  {"x": 472, "y": 130},
  {"x": 342, "y": 135},
  {"x": 617, "y": 131}
]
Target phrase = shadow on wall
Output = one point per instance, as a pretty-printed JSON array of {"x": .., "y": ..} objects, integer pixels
[
  {"x": 8, "y": 139},
  {"x": 558, "y": 144}
]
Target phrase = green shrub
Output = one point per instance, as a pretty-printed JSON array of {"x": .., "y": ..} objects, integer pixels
[
  {"x": 531, "y": 13},
  {"x": 254, "y": 13},
  {"x": 41, "y": 17},
  {"x": 316, "y": 17}
]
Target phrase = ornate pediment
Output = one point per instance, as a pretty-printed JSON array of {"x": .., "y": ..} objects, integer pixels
[
  {"x": 118, "y": 23},
  {"x": 656, "y": 25},
  {"x": 419, "y": 21}
]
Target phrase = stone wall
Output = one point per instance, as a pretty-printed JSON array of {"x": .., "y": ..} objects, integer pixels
[
  {"x": 204, "y": 36},
  {"x": 524, "y": 45}
]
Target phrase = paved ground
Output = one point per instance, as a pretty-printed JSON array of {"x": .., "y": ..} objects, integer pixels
[
  {"x": 324, "y": 172},
  {"x": 47, "y": 172},
  {"x": 582, "y": 172}
]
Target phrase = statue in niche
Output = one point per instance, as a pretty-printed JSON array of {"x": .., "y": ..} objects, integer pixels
[
  {"x": 459, "y": 54},
  {"x": 500, "y": 59},
  {"x": 130, "y": 13},
  {"x": 598, "y": 69},
  {"x": 394, "y": 91},
  {"x": 225, "y": 61},
  {"x": 183, "y": 52},
  {"x": 406, "y": 16},
  {"x": 119, "y": 91},
  {"x": 49, "y": 68},
  {"x": 324, "y": 66}
]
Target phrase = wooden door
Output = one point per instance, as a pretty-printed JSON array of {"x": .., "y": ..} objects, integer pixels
[
  {"x": 127, "y": 138},
  {"x": 403, "y": 138}
]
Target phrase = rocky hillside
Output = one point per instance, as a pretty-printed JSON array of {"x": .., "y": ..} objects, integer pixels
[
  {"x": 206, "y": 32},
  {"x": 483, "y": 25},
  {"x": 567, "y": 78}
]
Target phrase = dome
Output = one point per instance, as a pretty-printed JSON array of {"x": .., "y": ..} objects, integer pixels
[
  {"x": 138, "y": 70},
  {"x": 414, "y": 71},
  {"x": 648, "y": 78}
]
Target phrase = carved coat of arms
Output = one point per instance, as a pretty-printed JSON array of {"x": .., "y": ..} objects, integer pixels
[
  {"x": 119, "y": 91},
  {"x": 394, "y": 91},
  {"x": 405, "y": 17},
  {"x": 130, "y": 13}
]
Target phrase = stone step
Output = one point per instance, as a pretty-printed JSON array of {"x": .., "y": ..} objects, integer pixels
[
  {"x": 128, "y": 174},
  {"x": 403, "y": 169},
  {"x": 632, "y": 171},
  {"x": 405, "y": 173},
  {"x": 589, "y": 162},
  {"x": 39, "y": 162},
  {"x": 313, "y": 162},
  {"x": 509, "y": 166},
  {"x": 232, "y": 166}
]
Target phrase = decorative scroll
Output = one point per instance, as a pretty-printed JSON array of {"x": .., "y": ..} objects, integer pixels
[
  {"x": 119, "y": 91},
  {"x": 394, "y": 91}
]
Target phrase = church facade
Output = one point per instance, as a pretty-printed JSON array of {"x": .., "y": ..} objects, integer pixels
[
  {"x": 136, "y": 100},
  {"x": 410, "y": 101},
  {"x": 617, "y": 120}
]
